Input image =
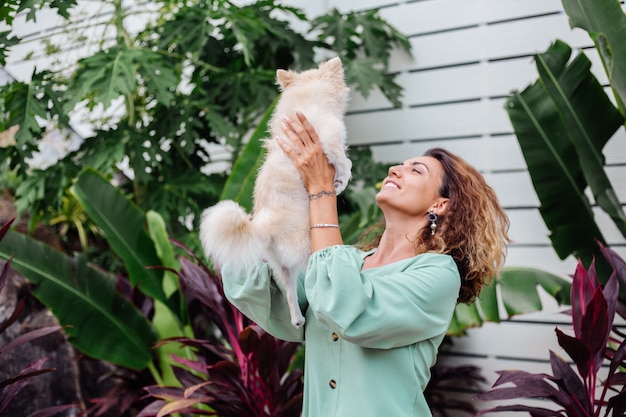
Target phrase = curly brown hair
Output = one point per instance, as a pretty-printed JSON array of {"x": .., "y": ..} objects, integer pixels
[{"x": 473, "y": 230}]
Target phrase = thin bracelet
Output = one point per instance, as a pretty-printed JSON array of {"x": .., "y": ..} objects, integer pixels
[
  {"x": 321, "y": 194},
  {"x": 320, "y": 225}
]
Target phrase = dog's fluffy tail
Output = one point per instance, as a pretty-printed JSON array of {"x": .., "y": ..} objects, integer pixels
[{"x": 227, "y": 235}]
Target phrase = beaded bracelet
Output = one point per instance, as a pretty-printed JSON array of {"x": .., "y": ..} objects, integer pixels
[
  {"x": 320, "y": 195},
  {"x": 320, "y": 225}
]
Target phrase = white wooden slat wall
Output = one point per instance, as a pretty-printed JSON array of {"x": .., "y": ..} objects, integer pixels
[{"x": 468, "y": 56}]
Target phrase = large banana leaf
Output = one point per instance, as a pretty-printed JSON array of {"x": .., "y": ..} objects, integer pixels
[
  {"x": 124, "y": 227},
  {"x": 573, "y": 88},
  {"x": 519, "y": 294},
  {"x": 240, "y": 183},
  {"x": 544, "y": 136},
  {"x": 98, "y": 321},
  {"x": 605, "y": 22}
]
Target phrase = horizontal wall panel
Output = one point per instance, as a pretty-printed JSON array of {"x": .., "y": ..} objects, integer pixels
[
  {"x": 514, "y": 189},
  {"x": 434, "y": 122},
  {"x": 423, "y": 16},
  {"x": 510, "y": 340},
  {"x": 541, "y": 257},
  {"x": 528, "y": 227},
  {"x": 492, "y": 42},
  {"x": 465, "y": 82},
  {"x": 485, "y": 153}
]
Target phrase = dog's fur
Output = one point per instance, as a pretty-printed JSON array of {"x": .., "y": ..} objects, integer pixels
[{"x": 278, "y": 230}]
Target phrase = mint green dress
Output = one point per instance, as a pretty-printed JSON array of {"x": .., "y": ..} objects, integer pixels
[{"x": 371, "y": 336}]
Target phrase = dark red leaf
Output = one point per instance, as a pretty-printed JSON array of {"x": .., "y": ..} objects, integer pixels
[
  {"x": 535, "y": 411},
  {"x": 583, "y": 288},
  {"x": 27, "y": 337},
  {"x": 571, "y": 383},
  {"x": 616, "y": 261},
  {"x": 522, "y": 391},
  {"x": 596, "y": 329},
  {"x": 17, "y": 313},
  {"x": 621, "y": 308},
  {"x": 152, "y": 409},
  {"x": 4, "y": 274},
  {"x": 611, "y": 295},
  {"x": 617, "y": 403},
  {"x": 5, "y": 228},
  {"x": 164, "y": 393},
  {"x": 249, "y": 339},
  {"x": 51, "y": 411},
  {"x": 208, "y": 290},
  {"x": 10, "y": 387},
  {"x": 577, "y": 350},
  {"x": 618, "y": 358}
]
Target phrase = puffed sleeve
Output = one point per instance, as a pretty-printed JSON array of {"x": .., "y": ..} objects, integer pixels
[
  {"x": 385, "y": 307},
  {"x": 258, "y": 298}
]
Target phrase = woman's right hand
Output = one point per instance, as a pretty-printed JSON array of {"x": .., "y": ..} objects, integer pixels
[{"x": 307, "y": 154}]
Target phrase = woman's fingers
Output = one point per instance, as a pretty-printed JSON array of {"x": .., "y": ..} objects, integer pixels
[
  {"x": 311, "y": 133},
  {"x": 300, "y": 131}
]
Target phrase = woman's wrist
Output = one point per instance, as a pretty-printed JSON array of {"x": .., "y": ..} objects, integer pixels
[{"x": 321, "y": 194}]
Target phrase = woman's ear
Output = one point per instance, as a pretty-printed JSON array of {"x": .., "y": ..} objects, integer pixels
[{"x": 441, "y": 206}]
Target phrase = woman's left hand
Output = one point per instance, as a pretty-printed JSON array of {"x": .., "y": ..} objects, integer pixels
[{"x": 307, "y": 154}]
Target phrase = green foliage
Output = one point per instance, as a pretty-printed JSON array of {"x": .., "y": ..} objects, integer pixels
[
  {"x": 564, "y": 120},
  {"x": 519, "y": 294},
  {"x": 98, "y": 320},
  {"x": 6, "y": 41},
  {"x": 363, "y": 32},
  {"x": 605, "y": 22},
  {"x": 202, "y": 75},
  {"x": 123, "y": 226}
]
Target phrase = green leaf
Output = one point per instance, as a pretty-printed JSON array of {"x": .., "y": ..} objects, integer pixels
[
  {"x": 165, "y": 251},
  {"x": 6, "y": 42},
  {"x": 158, "y": 75},
  {"x": 519, "y": 294},
  {"x": 605, "y": 22},
  {"x": 23, "y": 108},
  {"x": 488, "y": 302},
  {"x": 124, "y": 227},
  {"x": 240, "y": 184},
  {"x": 589, "y": 117},
  {"x": 551, "y": 157},
  {"x": 84, "y": 299},
  {"x": 103, "y": 77}
]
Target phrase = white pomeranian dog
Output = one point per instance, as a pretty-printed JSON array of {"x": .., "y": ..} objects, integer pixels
[{"x": 277, "y": 231}]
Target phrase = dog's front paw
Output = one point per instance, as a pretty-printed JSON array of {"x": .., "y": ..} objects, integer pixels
[{"x": 342, "y": 176}]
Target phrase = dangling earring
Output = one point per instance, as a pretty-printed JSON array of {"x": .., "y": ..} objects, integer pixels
[{"x": 432, "y": 218}]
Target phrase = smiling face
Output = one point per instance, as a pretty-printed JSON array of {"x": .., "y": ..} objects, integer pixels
[{"x": 412, "y": 188}]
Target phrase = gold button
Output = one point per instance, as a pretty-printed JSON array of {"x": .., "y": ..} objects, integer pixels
[
  {"x": 334, "y": 336},
  {"x": 332, "y": 383}
]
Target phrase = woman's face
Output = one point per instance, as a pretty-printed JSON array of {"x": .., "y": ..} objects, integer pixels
[{"x": 413, "y": 187}]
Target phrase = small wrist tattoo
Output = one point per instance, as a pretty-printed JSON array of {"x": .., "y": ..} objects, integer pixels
[{"x": 321, "y": 194}]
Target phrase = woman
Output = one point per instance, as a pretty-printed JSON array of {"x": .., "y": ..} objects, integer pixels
[{"x": 375, "y": 317}]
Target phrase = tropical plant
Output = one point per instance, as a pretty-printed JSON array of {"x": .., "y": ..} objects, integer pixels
[
  {"x": 562, "y": 123},
  {"x": 200, "y": 76},
  {"x": 238, "y": 370},
  {"x": 11, "y": 385},
  {"x": 595, "y": 339}
]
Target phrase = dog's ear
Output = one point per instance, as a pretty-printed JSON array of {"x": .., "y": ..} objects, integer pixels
[
  {"x": 284, "y": 78},
  {"x": 332, "y": 66}
]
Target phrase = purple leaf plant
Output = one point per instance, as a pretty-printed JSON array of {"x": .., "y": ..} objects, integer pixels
[
  {"x": 596, "y": 341},
  {"x": 238, "y": 370}
]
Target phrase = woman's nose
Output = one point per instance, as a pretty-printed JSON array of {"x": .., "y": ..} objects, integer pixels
[{"x": 394, "y": 170}]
